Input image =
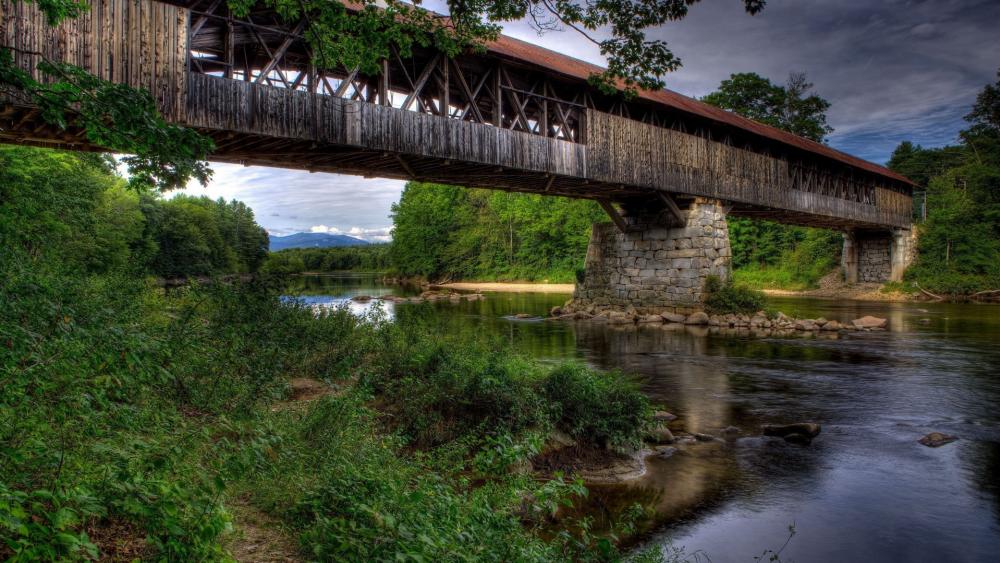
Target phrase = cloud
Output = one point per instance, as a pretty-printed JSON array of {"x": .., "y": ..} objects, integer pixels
[{"x": 382, "y": 234}]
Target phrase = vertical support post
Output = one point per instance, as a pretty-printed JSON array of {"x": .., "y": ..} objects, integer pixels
[
  {"x": 899, "y": 253},
  {"x": 383, "y": 84},
  {"x": 849, "y": 258},
  {"x": 497, "y": 98},
  {"x": 445, "y": 88},
  {"x": 230, "y": 48}
]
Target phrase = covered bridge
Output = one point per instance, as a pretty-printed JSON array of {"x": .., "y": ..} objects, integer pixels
[{"x": 667, "y": 168}]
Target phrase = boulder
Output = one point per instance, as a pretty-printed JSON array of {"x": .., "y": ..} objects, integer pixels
[
  {"x": 757, "y": 321},
  {"x": 937, "y": 439},
  {"x": 524, "y": 316},
  {"x": 660, "y": 434},
  {"x": 664, "y": 416},
  {"x": 831, "y": 325},
  {"x": 806, "y": 324},
  {"x": 797, "y": 438},
  {"x": 731, "y": 430},
  {"x": 673, "y": 317},
  {"x": 650, "y": 319},
  {"x": 361, "y": 298},
  {"x": 556, "y": 311},
  {"x": 704, "y": 437},
  {"x": 699, "y": 318},
  {"x": 809, "y": 429},
  {"x": 558, "y": 440},
  {"x": 664, "y": 452},
  {"x": 619, "y": 318},
  {"x": 869, "y": 321}
]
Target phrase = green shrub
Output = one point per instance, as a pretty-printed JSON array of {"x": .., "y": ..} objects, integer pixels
[
  {"x": 722, "y": 299},
  {"x": 604, "y": 409}
]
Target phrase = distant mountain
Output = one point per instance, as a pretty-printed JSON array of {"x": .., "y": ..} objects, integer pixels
[{"x": 313, "y": 240}]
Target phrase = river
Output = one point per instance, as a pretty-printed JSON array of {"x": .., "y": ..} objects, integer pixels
[{"x": 864, "y": 490}]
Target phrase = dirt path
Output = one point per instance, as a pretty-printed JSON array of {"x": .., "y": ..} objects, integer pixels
[
  {"x": 257, "y": 536},
  {"x": 512, "y": 287}
]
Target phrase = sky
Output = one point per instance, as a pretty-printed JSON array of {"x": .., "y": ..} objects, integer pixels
[{"x": 893, "y": 70}]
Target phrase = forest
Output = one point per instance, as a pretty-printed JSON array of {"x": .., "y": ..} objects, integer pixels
[{"x": 80, "y": 206}]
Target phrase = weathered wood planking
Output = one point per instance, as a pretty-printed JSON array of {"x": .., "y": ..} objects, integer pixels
[
  {"x": 621, "y": 150},
  {"x": 135, "y": 42},
  {"x": 245, "y": 107}
]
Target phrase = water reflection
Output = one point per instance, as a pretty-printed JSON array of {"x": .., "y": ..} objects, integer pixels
[{"x": 864, "y": 490}]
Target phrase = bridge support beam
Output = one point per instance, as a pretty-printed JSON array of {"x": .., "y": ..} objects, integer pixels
[
  {"x": 655, "y": 266},
  {"x": 877, "y": 257}
]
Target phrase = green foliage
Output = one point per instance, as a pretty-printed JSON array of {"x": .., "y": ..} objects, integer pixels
[
  {"x": 133, "y": 414},
  {"x": 805, "y": 256},
  {"x": 114, "y": 116},
  {"x": 598, "y": 408},
  {"x": 450, "y": 232},
  {"x": 725, "y": 298},
  {"x": 367, "y": 258},
  {"x": 958, "y": 249},
  {"x": 74, "y": 209},
  {"x": 200, "y": 236},
  {"x": 791, "y": 107}
]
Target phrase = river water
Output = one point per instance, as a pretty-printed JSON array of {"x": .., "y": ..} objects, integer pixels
[{"x": 865, "y": 490}]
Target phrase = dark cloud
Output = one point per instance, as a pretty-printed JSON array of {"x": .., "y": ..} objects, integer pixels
[{"x": 893, "y": 70}]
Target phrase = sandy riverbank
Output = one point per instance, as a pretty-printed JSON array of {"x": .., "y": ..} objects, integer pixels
[
  {"x": 510, "y": 287},
  {"x": 832, "y": 286}
]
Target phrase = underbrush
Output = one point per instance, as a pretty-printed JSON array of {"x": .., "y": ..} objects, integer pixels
[
  {"x": 126, "y": 408},
  {"x": 728, "y": 298}
]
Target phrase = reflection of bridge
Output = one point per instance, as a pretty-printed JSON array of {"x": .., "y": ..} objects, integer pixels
[{"x": 517, "y": 117}]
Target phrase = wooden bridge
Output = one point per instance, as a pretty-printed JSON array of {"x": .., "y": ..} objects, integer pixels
[{"x": 515, "y": 117}]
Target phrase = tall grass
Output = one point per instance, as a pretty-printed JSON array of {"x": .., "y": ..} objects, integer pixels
[{"x": 127, "y": 408}]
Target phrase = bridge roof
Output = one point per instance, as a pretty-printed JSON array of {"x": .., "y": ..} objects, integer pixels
[{"x": 530, "y": 53}]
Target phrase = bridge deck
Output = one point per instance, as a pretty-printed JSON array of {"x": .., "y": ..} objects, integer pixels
[{"x": 535, "y": 143}]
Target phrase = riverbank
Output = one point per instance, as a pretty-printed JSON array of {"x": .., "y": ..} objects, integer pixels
[{"x": 507, "y": 287}]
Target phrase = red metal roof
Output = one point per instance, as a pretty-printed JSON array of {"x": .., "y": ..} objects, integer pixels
[{"x": 575, "y": 68}]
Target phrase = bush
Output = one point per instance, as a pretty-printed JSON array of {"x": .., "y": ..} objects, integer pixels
[
  {"x": 604, "y": 409},
  {"x": 723, "y": 299}
]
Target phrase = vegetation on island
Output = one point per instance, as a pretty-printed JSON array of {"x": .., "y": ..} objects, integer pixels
[
  {"x": 137, "y": 422},
  {"x": 367, "y": 258}
]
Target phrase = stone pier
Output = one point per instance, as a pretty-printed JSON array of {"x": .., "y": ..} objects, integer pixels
[
  {"x": 655, "y": 266},
  {"x": 876, "y": 257}
]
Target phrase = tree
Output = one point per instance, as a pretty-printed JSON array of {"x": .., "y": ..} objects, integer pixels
[{"x": 791, "y": 108}]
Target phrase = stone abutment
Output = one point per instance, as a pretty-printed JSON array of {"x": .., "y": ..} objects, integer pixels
[
  {"x": 657, "y": 265},
  {"x": 876, "y": 257}
]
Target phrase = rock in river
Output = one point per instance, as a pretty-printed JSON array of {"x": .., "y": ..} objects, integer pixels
[
  {"x": 699, "y": 318},
  {"x": 869, "y": 321},
  {"x": 798, "y": 433},
  {"x": 660, "y": 434},
  {"x": 937, "y": 439},
  {"x": 664, "y": 416}
]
